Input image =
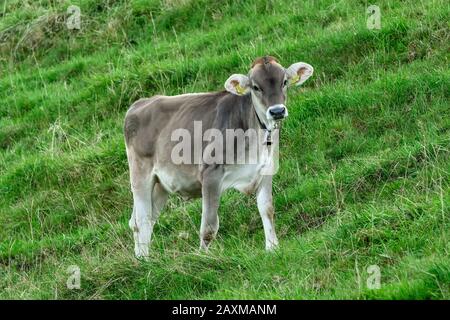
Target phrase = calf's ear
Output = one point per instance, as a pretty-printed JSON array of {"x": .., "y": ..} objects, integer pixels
[
  {"x": 299, "y": 72},
  {"x": 238, "y": 84}
]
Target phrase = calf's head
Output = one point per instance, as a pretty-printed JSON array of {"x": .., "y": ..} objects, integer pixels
[{"x": 267, "y": 82}]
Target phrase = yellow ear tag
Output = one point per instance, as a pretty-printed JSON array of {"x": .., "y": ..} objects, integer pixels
[
  {"x": 295, "y": 79},
  {"x": 239, "y": 89}
]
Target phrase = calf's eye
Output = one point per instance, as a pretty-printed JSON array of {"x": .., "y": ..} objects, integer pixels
[
  {"x": 256, "y": 88},
  {"x": 285, "y": 82}
]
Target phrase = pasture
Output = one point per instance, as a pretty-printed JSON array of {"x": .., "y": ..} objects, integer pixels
[{"x": 364, "y": 154}]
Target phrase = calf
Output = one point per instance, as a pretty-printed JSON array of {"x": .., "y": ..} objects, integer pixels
[{"x": 205, "y": 167}]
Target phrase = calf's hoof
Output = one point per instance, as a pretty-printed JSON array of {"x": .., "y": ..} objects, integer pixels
[
  {"x": 271, "y": 246},
  {"x": 141, "y": 251}
]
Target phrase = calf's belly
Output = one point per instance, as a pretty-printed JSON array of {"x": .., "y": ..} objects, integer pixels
[
  {"x": 245, "y": 178},
  {"x": 179, "y": 181},
  {"x": 185, "y": 181}
]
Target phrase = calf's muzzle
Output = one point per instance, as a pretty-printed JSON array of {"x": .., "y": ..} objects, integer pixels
[{"x": 277, "y": 112}]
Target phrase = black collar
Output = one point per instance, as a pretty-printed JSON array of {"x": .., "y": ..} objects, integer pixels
[{"x": 267, "y": 132}]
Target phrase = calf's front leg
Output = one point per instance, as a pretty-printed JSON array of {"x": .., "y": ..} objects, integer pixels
[
  {"x": 210, "y": 207},
  {"x": 266, "y": 211}
]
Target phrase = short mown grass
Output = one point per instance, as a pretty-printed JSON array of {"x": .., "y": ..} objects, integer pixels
[{"x": 364, "y": 175}]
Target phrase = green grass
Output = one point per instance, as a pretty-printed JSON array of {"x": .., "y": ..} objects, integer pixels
[{"x": 364, "y": 176}]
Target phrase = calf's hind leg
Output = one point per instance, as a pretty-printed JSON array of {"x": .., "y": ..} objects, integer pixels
[
  {"x": 142, "y": 185},
  {"x": 158, "y": 200}
]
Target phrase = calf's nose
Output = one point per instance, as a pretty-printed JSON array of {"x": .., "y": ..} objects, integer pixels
[{"x": 277, "y": 111}]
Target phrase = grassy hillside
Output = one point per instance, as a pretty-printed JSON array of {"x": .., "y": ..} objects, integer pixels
[{"x": 364, "y": 177}]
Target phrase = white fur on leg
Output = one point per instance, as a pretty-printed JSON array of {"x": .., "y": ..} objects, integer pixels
[
  {"x": 134, "y": 227},
  {"x": 265, "y": 208},
  {"x": 141, "y": 246},
  {"x": 144, "y": 228}
]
